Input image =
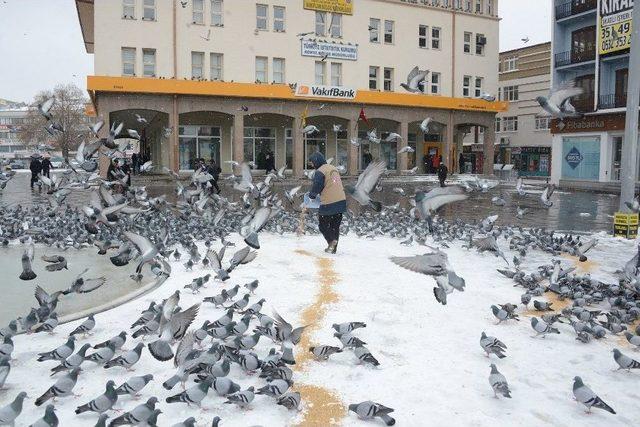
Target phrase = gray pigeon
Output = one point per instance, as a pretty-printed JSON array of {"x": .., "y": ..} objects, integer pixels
[
  {"x": 9, "y": 413},
  {"x": 5, "y": 368},
  {"x": 224, "y": 386},
  {"x": 242, "y": 398},
  {"x": 289, "y": 400},
  {"x": 501, "y": 314},
  {"x": 189, "y": 422},
  {"x": 102, "y": 403},
  {"x": 542, "y": 328},
  {"x": 128, "y": 359},
  {"x": 49, "y": 419},
  {"x": 369, "y": 410},
  {"x": 62, "y": 387},
  {"x": 102, "y": 355},
  {"x": 364, "y": 355},
  {"x": 275, "y": 388},
  {"x": 633, "y": 339},
  {"x": 134, "y": 384},
  {"x": 322, "y": 352},
  {"x": 194, "y": 394},
  {"x": 344, "y": 328},
  {"x": 73, "y": 361},
  {"x": 85, "y": 327},
  {"x": 102, "y": 420},
  {"x": 492, "y": 345},
  {"x": 60, "y": 353},
  {"x": 624, "y": 362},
  {"x": 558, "y": 102},
  {"x": 587, "y": 397},
  {"x": 117, "y": 341},
  {"x": 137, "y": 415},
  {"x": 498, "y": 383}
]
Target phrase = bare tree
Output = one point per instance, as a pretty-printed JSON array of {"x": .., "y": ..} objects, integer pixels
[{"x": 68, "y": 111}]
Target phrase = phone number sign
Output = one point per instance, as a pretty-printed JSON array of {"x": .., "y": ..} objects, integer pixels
[{"x": 615, "y": 25}]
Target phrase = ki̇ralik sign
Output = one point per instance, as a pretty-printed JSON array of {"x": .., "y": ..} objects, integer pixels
[
  {"x": 615, "y": 25},
  {"x": 329, "y": 92},
  {"x": 317, "y": 49},
  {"x": 337, "y": 6}
]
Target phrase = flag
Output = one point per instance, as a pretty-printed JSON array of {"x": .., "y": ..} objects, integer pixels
[
  {"x": 363, "y": 116},
  {"x": 303, "y": 118}
]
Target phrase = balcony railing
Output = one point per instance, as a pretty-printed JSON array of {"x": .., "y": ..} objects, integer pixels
[
  {"x": 574, "y": 7},
  {"x": 612, "y": 101},
  {"x": 574, "y": 56},
  {"x": 583, "y": 104}
]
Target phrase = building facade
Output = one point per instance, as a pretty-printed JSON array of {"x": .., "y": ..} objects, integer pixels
[
  {"x": 591, "y": 40},
  {"x": 12, "y": 117},
  {"x": 236, "y": 80}
]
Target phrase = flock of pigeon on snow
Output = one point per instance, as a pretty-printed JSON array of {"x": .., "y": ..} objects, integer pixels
[{"x": 132, "y": 227}]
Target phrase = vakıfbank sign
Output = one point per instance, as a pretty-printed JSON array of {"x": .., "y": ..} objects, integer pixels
[
  {"x": 333, "y": 92},
  {"x": 337, "y": 6},
  {"x": 615, "y": 25}
]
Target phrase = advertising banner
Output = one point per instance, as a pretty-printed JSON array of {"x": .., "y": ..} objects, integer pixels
[
  {"x": 615, "y": 25},
  {"x": 337, "y": 6},
  {"x": 330, "y": 50}
]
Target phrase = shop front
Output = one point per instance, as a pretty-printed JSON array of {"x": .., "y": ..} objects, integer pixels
[
  {"x": 531, "y": 161},
  {"x": 473, "y": 158}
]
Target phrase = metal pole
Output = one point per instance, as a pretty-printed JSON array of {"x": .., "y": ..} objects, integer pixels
[{"x": 629, "y": 172}]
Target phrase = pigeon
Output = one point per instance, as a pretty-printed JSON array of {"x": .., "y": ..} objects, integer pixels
[
  {"x": 492, "y": 345},
  {"x": 406, "y": 149},
  {"x": 224, "y": 386},
  {"x": 424, "y": 125},
  {"x": 587, "y": 397},
  {"x": 128, "y": 359},
  {"x": 345, "y": 328},
  {"x": 6, "y": 348},
  {"x": 102, "y": 403},
  {"x": 624, "y": 361},
  {"x": 73, "y": 361},
  {"x": 542, "y": 305},
  {"x": 62, "y": 387},
  {"x": 242, "y": 398},
  {"x": 137, "y": 415},
  {"x": 117, "y": 341},
  {"x": 56, "y": 263},
  {"x": 487, "y": 97},
  {"x": 27, "y": 272},
  {"x": 414, "y": 79},
  {"x": 85, "y": 327},
  {"x": 369, "y": 410},
  {"x": 309, "y": 130},
  {"x": 173, "y": 329},
  {"x": 366, "y": 183},
  {"x": 194, "y": 394},
  {"x": 542, "y": 328},
  {"x": 48, "y": 325},
  {"x": 501, "y": 314},
  {"x": 290, "y": 400},
  {"x": 546, "y": 195},
  {"x": 364, "y": 355},
  {"x": 5, "y": 368},
  {"x": 49, "y": 419},
  {"x": 133, "y": 385},
  {"x": 45, "y": 108},
  {"x": 557, "y": 104},
  {"x": 275, "y": 388},
  {"x": 9, "y": 413},
  {"x": 633, "y": 339},
  {"x": 60, "y": 353},
  {"x": 102, "y": 355},
  {"x": 322, "y": 352},
  {"x": 189, "y": 422},
  {"x": 498, "y": 383}
]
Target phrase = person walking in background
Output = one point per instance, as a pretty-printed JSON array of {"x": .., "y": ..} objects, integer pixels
[
  {"x": 215, "y": 171},
  {"x": 36, "y": 167},
  {"x": 461, "y": 163},
  {"x": 46, "y": 167},
  {"x": 134, "y": 163},
  {"x": 333, "y": 202},
  {"x": 270, "y": 161},
  {"x": 112, "y": 172},
  {"x": 435, "y": 163},
  {"x": 366, "y": 158},
  {"x": 442, "y": 173}
]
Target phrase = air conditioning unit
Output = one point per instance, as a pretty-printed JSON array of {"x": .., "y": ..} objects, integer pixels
[
  {"x": 481, "y": 40},
  {"x": 505, "y": 140}
]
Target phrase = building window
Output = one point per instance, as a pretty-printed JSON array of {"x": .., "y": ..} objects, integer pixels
[
  {"x": 149, "y": 62},
  {"x": 197, "y": 65},
  {"x": 435, "y": 83},
  {"x": 129, "y": 9},
  {"x": 336, "y": 74},
  {"x": 374, "y": 30},
  {"x": 262, "y": 12},
  {"x": 217, "y": 13},
  {"x": 278, "y": 70},
  {"x": 467, "y": 42},
  {"x": 278, "y": 19},
  {"x": 478, "y": 6},
  {"x": 149, "y": 10},
  {"x": 321, "y": 28},
  {"x": 510, "y": 124},
  {"x": 320, "y": 73},
  {"x": 262, "y": 74},
  {"x": 423, "y": 37},
  {"x": 288, "y": 147},
  {"x": 216, "y": 60},
  {"x": 373, "y": 78},
  {"x": 481, "y": 41},
  {"x": 198, "y": 11},
  {"x": 543, "y": 123},
  {"x": 466, "y": 86},
  {"x": 128, "y": 61},
  {"x": 478, "y": 87},
  {"x": 497, "y": 124},
  {"x": 197, "y": 142},
  {"x": 388, "y": 32},
  {"x": 336, "y": 25},
  {"x": 510, "y": 93},
  {"x": 489, "y": 7},
  {"x": 388, "y": 79},
  {"x": 511, "y": 64},
  {"x": 257, "y": 143},
  {"x": 467, "y": 5},
  {"x": 435, "y": 37}
]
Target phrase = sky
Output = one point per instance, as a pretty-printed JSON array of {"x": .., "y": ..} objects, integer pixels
[{"x": 41, "y": 43}]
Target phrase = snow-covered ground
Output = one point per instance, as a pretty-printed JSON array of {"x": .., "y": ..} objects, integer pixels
[{"x": 432, "y": 372}]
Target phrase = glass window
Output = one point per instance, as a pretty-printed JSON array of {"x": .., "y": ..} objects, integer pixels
[
  {"x": 336, "y": 25},
  {"x": 435, "y": 37},
  {"x": 262, "y": 12},
  {"x": 216, "y": 66},
  {"x": 435, "y": 83},
  {"x": 510, "y": 93},
  {"x": 128, "y": 61},
  {"x": 510, "y": 124},
  {"x": 197, "y": 63},
  {"x": 497, "y": 124},
  {"x": 278, "y": 19},
  {"x": 315, "y": 143},
  {"x": 336, "y": 74},
  {"x": 321, "y": 28},
  {"x": 466, "y": 86},
  {"x": 198, "y": 142},
  {"x": 288, "y": 147},
  {"x": 278, "y": 70},
  {"x": 511, "y": 64},
  {"x": 262, "y": 75},
  {"x": 489, "y": 7},
  {"x": 388, "y": 79},
  {"x": 259, "y": 143},
  {"x": 388, "y": 32},
  {"x": 198, "y": 11},
  {"x": 342, "y": 154},
  {"x": 217, "y": 13},
  {"x": 543, "y": 123},
  {"x": 467, "y": 42},
  {"x": 149, "y": 62},
  {"x": 373, "y": 78},
  {"x": 374, "y": 30},
  {"x": 467, "y": 5},
  {"x": 479, "y": 6},
  {"x": 423, "y": 36},
  {"x": 478, "y": 86},
  {"x": 129, "y": 9},
  {"x": 149, "y": 10},
  {"x": 320, "y": 73},
  {"x": 481, "y": 40}
]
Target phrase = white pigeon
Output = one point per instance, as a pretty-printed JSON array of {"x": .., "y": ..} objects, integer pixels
[
  {"x": 133, "y": 134},
  {"x": 373, "y": 136},
  {"x": 309, "y": 130},
  {"x": 414, "y": 79},
  {"x": 393, "y": 137},
  {"x": 355, "y": 142},
  {"x": 487, "y": 97},
  {"x": 406, "y": 149},
  {"x": 146, "y": 167},
  {"x": 140, "y": 119},
  {"x": 546, "y": 195},
  {"x": 558, "y": 102},
  {"x": 337, "y": 128},
  {"x": 424, "y": 125}
]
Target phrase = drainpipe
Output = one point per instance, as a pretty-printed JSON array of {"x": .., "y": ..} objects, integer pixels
[
  {"x": 175, "y": 47},
  {"x": 453, "y": 53}
]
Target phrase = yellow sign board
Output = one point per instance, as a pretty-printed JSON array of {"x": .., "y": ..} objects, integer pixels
[
  {"x": 337, "y": 6},
  {"x": 615, "y": 25}
]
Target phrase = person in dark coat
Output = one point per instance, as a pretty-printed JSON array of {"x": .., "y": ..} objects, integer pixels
[
  {"x": 134, "y": 163},
  {"x": 366, "y": 158},
  {"x": 215, "y": 171},
  {"x": 46, "y": 167},
  {"x": 442, "y": 173},
  {"x": 461, "y": 163},
  {"x": 36, "y": 167},
  {"x": 333, "y": 202},
  {"x": 270, "y": 161},
  {"x": 113, "y": 170}
]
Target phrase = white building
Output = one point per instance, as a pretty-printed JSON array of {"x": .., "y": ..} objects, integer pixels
[
  {"x": 215, "y": 78},
  {"x": 12, "y": 116}
]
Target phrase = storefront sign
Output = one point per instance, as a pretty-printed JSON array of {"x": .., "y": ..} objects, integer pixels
[
  {"x": 573, "y": 158},
  {"x": 477, "y": 148},
  {"x": 347, "y": 52},
  {"x": 599, "y": 123},
  {"x": 336, "y": 6},
  {"x": 331, "y": 92},
  {"x": 615, "y": 25}
]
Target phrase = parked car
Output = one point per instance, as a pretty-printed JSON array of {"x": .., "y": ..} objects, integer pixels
[
  {"x": 57, "y": 162},
  {"x": 17, "y": 164}
]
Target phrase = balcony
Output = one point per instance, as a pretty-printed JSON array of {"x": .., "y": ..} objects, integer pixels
[
  {"x": 584, "y": 103},
  {"x": 575, "y": 7},
  {"x": 606, "y": 102},
  {"x": 575, "y": 56}
]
